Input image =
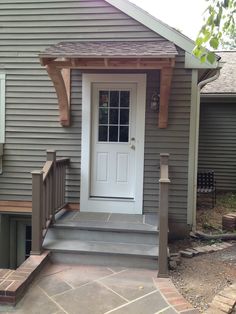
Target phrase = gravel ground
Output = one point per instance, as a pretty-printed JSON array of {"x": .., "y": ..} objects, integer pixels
[{"x": 200, "y": 278}]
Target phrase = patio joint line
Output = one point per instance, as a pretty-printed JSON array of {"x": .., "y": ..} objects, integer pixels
[
  {"x": 113, "y": 274},
  {"x": 50, "y": 298},
  {"x": 86, "y": 283},
  {"x": 161, "y": 311},
  {"x": 123, "y": 305},
  {"x": 108, "y": 288}
]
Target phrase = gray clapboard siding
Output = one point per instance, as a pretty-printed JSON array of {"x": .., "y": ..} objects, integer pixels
[
  {"x": 28, "y": 27},
  {"x": 217, "y": 143},
  {"x": 173, "y": 140}
]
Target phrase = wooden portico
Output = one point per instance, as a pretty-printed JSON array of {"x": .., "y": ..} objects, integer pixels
[{"x": 59, "y": 59}]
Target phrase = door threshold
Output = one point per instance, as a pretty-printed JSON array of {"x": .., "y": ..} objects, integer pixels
[{"x": 113, "y": 199}]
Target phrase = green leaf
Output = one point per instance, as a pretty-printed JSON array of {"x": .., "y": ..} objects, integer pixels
[
  {"x": 203, "y": 58},
  {"x": 226, "y": 3},
  {"x": 198, "y": 51},
  {"x": 214, "y": 43},
  {"x": 199, "y": 41},
  {"x": 211, "y": 57}
]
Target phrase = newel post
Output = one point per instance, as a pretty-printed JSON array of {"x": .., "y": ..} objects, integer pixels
[
  {"x": 37, "y": 207},
  {"x": 51, "y": 156},
  {"x": 163, "y": 219}
]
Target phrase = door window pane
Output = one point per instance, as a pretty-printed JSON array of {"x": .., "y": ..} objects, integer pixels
[
  {"x": 113, "y": 134},
  {"x": 113, "y": 116},
  {"x": 124, "y": 116},
  {"x": 102, "y": 136},
  {"x": 124, "y": 134},
  {"x": 124, "y": 99},
  {"x": 103, "y": 115},
  {"x": 114, "y": 98},
  {"x": 103, "y": 98}
]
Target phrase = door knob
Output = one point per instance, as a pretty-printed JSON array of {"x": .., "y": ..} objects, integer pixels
[{"x": 131, "y": 144}]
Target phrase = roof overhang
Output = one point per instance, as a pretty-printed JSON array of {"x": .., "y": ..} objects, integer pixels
[
  {"x": 110, "y": 54},
  {"x": 59, "y": 59}
]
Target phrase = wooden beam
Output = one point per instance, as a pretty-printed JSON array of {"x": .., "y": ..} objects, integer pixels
[
  {"x": 112, "y": 63},
  {"x": 62, "y": 93},
  {"x": 165, "y": 89},
  {"x": 66, "y": 74},
  {"x": 45, "y": 61}
]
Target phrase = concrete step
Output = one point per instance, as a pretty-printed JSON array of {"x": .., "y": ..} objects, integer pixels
[
  {"x": 104, "y": 239},
  {"x": 99, "y": 231},
  {"x": 102, "y": 253}
]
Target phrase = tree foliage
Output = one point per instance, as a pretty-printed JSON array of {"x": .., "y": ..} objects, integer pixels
[{"x": 219, "y": 23}]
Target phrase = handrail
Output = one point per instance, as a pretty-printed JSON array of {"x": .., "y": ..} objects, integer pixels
[
  {"x": 163, "y": 216},
  {"x": 48, "y": 196},
  {"x": 46, "y": 169}
]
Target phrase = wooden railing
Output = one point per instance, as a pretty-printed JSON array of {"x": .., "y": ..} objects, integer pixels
[
  {"x": 163, "y": 215},
  {"x": 48, "y": 197}
]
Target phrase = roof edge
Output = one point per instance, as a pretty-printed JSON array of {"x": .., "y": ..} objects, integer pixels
[{"x": 159, "y": 27}]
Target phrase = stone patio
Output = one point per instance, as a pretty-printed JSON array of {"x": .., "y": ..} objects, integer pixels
[{"x": 99, "y": 290}]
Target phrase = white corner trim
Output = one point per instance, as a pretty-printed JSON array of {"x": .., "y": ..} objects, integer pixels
[
  {"x": 1, "y": 153},
  {"x": 193, "y": 150},
  {"x": 2, "y": 107}
]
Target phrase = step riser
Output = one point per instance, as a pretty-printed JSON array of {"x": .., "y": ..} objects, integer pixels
[
  {"x": 103, "y": 260},
  {"x": 105, "y": 236}
]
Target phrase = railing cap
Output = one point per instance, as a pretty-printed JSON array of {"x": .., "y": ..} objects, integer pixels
[
  {"x": 51, "y": 151},
  {"x": 164, "y": 180},
  {"x": 37, "y": 172},
  {"x": 164, "y": 154},
  {"x": 51, "y": 155}
]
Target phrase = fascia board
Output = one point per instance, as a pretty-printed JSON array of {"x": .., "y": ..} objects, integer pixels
[{"x": 191, "y": 62}]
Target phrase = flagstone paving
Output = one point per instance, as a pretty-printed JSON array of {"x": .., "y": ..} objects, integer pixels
[{"x": 80, "y": 289}]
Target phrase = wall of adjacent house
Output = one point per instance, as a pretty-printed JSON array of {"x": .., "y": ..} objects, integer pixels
[
  {"x": 217, "y": 145},
  {"x": 31, "y": 105}
]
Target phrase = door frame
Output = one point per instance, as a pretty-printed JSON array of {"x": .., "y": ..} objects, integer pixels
[{"x": 91, "y": 204}]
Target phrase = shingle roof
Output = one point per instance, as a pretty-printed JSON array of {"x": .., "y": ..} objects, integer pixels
[
  {"x": 128, "y": 49},
  {"x": 226, "y": 83}
]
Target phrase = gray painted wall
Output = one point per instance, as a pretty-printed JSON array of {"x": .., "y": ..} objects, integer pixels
[
  {"x": 217, "y": 143},
  {"x": 29, "y": 26}
]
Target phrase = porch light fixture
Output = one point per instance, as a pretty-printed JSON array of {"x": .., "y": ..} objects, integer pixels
[{"x": 155, "y": 101}]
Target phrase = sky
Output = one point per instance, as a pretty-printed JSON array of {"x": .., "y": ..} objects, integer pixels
[{"x": 184, "y": 15}]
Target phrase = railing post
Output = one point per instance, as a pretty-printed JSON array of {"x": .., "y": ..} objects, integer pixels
[
  {"x": 37, "y": 207},
  {"x": 163, "y": 219},
  {"x": 51, "y": 156}
]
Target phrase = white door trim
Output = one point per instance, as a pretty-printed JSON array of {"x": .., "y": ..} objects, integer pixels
[{"x": 99, "y": 204}]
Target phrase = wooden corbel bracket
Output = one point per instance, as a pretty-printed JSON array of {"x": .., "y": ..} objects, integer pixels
[
  {"x": 165, "y": 90},
  {"x": 61, "y": 82}
]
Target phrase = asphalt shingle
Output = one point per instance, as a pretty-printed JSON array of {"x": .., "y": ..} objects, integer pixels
[{"x": 76, "y": 49}]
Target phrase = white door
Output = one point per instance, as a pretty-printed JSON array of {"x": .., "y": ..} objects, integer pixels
[
  {"x": 113, "y": 115},
  {"x": 113, "y": 140}
]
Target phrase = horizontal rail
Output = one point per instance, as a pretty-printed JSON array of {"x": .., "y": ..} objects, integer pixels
[{"x": 46, "y": 169}]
